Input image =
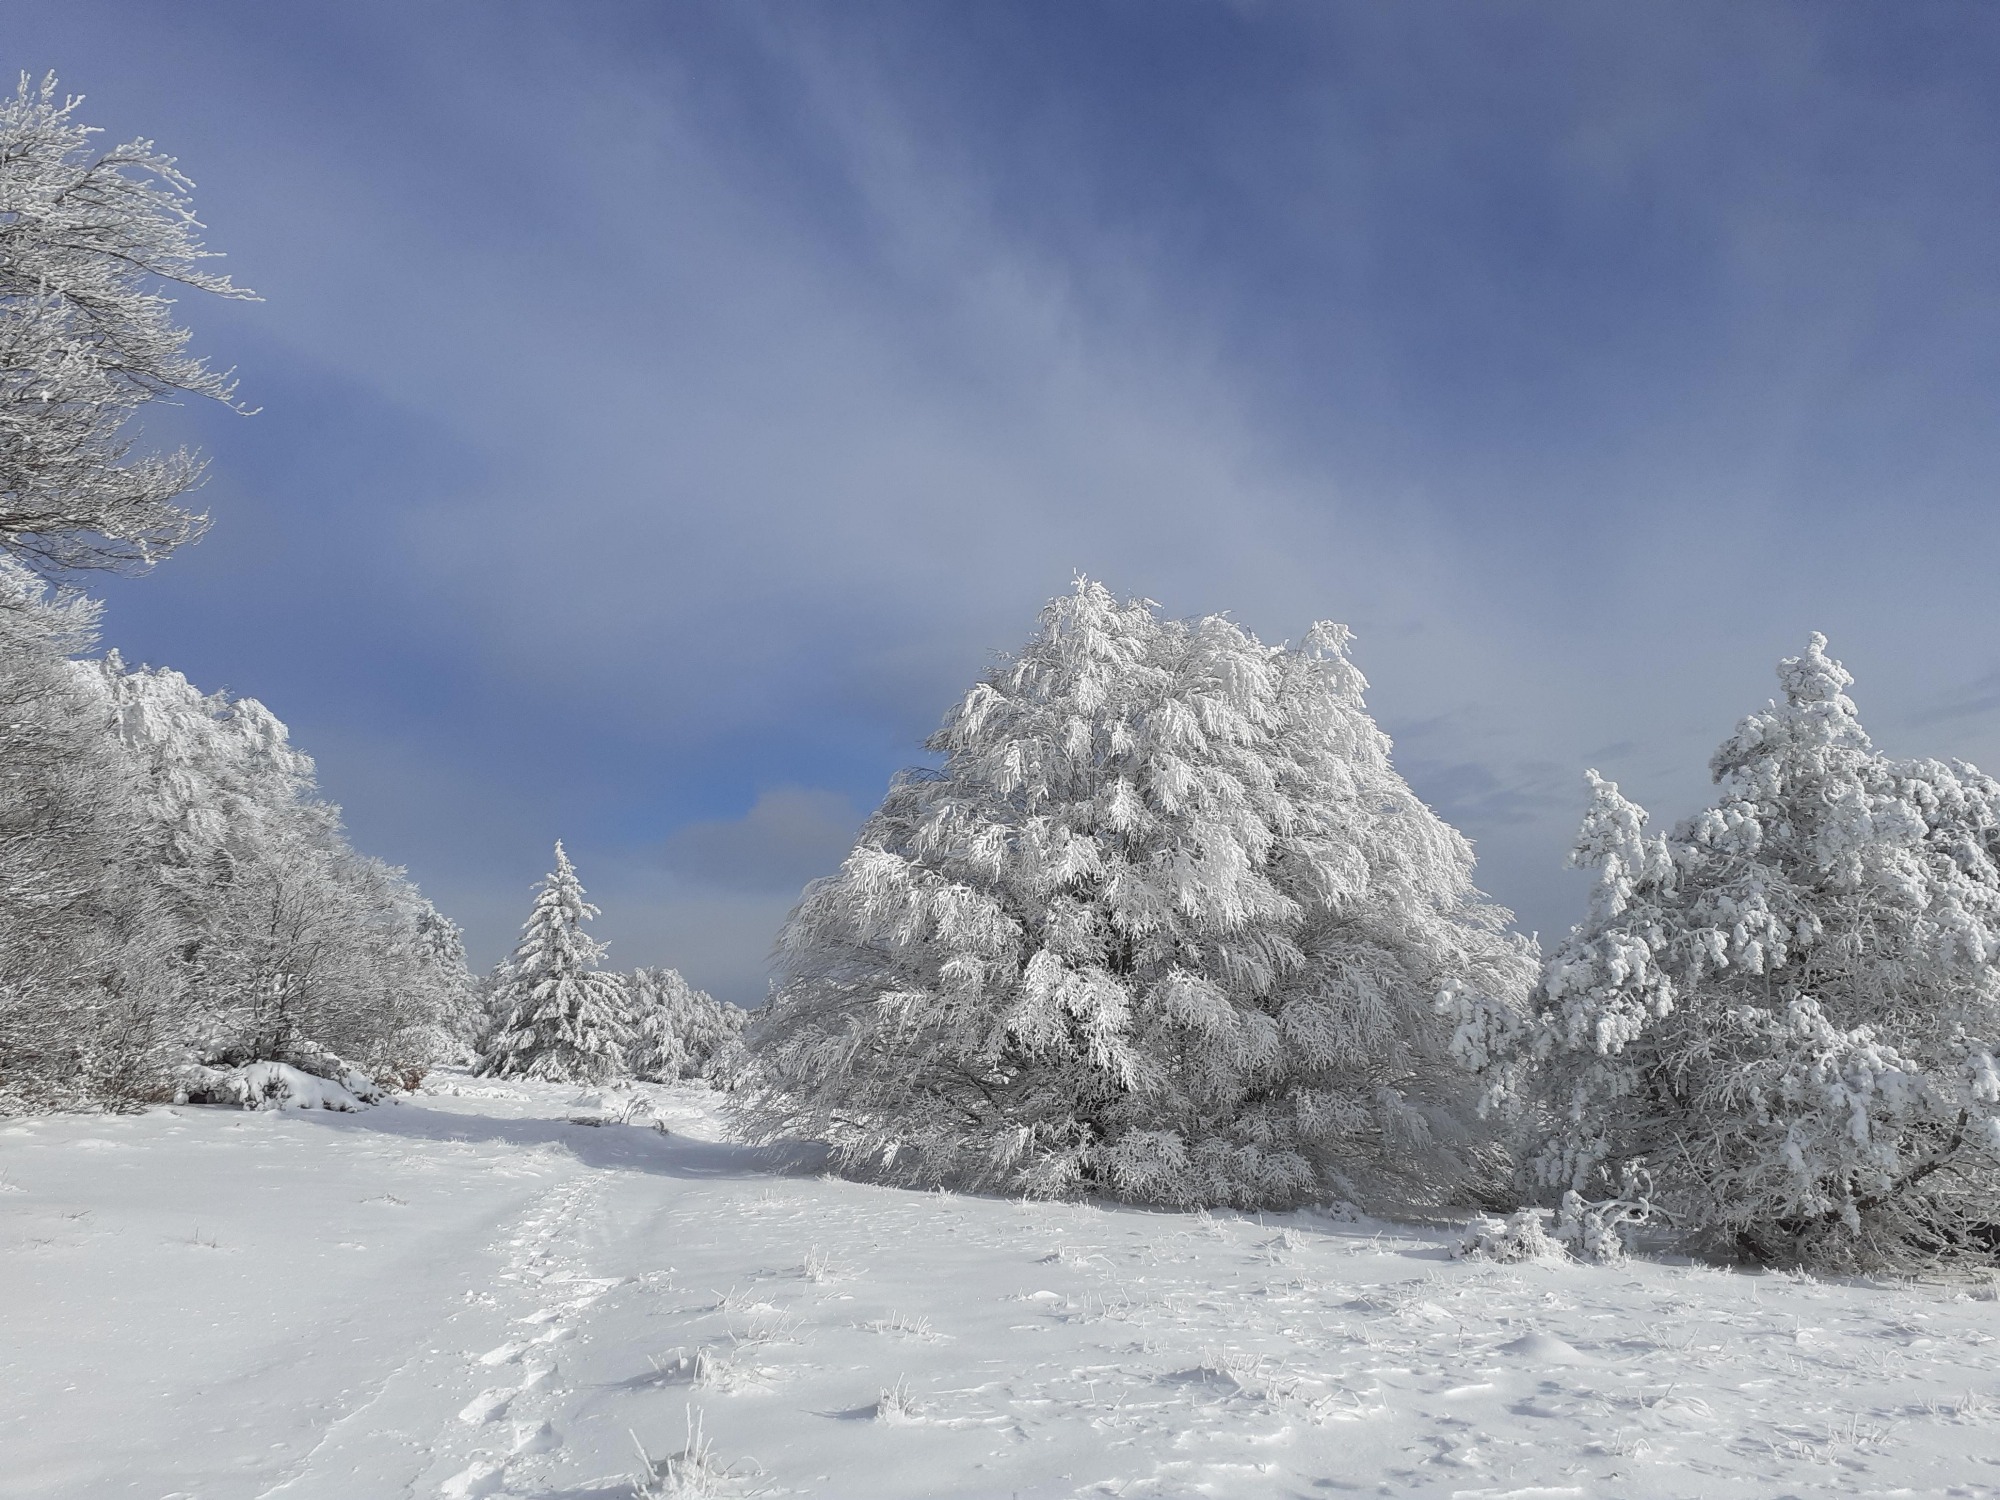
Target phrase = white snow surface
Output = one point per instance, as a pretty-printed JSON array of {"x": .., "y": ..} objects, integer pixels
[{"x": 470, "y": 1293}]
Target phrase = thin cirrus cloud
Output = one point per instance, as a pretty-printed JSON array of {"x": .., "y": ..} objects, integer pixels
[{"x": 668, "y": 410}]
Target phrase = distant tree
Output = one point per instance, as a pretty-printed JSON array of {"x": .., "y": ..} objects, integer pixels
[
  {"x": 1786, "y": 1010},
  {"x": 1167, "y": 925},
  {"x": 564, "y": 1022},
  {"x": 438, "y": 945},
  {"x": 679, "y": 1031},
  {"x": 88, "y": 240}
]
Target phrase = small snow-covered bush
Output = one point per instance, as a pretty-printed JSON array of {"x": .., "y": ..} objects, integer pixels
[
  {"x": 1594, "y": 1231},
  {"x": 1518, "y": 1237},
  {"x": 898, "y": 1405},
  {"x": 1167, "y": 926},
  {"x": 696, "y": 1472},
  {"x": 1787, "y": 1008}
]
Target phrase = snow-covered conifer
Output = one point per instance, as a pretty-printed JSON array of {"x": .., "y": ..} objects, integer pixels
[
  {"x": 1167, "y": 925},
  {"x": 564, "y": 1021},
  {"x": 1787, "y": 1009},
  {"x": 679, "y": 1031}
]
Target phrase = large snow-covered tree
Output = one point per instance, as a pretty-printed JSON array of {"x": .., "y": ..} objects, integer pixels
[
  {"x": 557, "y": 1018},
  {"x": 1167, "y": 925},
  {"x": 91, "y": 240},
  {"x": 1787, "y": 1008}
]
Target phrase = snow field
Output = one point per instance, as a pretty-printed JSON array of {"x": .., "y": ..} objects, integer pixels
[{"x": 470, "y": 1295}]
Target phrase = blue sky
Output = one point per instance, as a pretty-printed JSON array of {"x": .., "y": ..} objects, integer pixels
[{"x": 666, "y": 409}]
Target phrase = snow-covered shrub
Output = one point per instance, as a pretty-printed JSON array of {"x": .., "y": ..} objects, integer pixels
[
  {"x": 556, "y": 1018},
  {"x": 1786, "y": 1008},
  {"x": 1167, "y": 926},
  {"x": 696, "y": 1472},
  {"x": 1594, "y": 1230},
  {"x": 678, "y": 1031},
  {"x": 1518, "y": 1237}
]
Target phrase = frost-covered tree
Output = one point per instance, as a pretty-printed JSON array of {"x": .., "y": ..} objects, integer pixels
[
  {"x": 1167, "y": 925},
  {"x": 1787, "y": 1008},
  {"x": 679, "y": 1031},
  {"x": 564, "y": 1022},
  {"x": 438, "y": 945},
  {"x": 288, "y": 946},
  {"x": 84, "y": 976},
  {"x": 91, "y": 240},
  {"x": 173, "y": 892}
]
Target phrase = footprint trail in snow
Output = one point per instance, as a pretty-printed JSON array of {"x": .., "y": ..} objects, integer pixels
[{"x": 470, "y": 1295}]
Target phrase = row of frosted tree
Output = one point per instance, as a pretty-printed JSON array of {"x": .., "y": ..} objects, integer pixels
[
  {"x": 181, "y": 915},
  {"x": 176, "y": 899},
  {"x": 1166, "y": 925}
]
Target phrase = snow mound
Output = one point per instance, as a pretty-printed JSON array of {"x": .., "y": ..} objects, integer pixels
[
  {"x": 1544, "y": 1349},
  {"x": 482, "y": 1477}
]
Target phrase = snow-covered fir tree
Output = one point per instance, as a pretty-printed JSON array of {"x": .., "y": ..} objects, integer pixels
[
  {"x": 679, "y": 1031},
  {"x": 1787, "y": 1008},
  {"x": 1167, "y": 926},
  {"x": 556, "y": 1017}
]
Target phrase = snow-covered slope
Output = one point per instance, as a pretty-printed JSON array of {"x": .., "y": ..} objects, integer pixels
[{"x": 468, "y": 1294}]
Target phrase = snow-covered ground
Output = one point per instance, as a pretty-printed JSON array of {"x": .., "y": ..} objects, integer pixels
[{"x": 468, "y": 1294}]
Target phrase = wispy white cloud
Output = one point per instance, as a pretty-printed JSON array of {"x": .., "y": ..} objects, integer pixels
[{"x": 686, "y": 405}]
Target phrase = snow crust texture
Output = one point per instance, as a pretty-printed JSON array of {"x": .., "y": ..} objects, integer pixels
[{"x": 469, "y": 1294}]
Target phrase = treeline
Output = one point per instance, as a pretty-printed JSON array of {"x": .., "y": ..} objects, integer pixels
[
  {"x": 176, "y": 900},
  {"x": 181, "y": 916},
  {"x": 1167, "y": 926},
  {"x": 174, "y": 897}
]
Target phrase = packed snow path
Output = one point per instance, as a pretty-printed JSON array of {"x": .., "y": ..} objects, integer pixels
[{"x": 467, "y": 1294}]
